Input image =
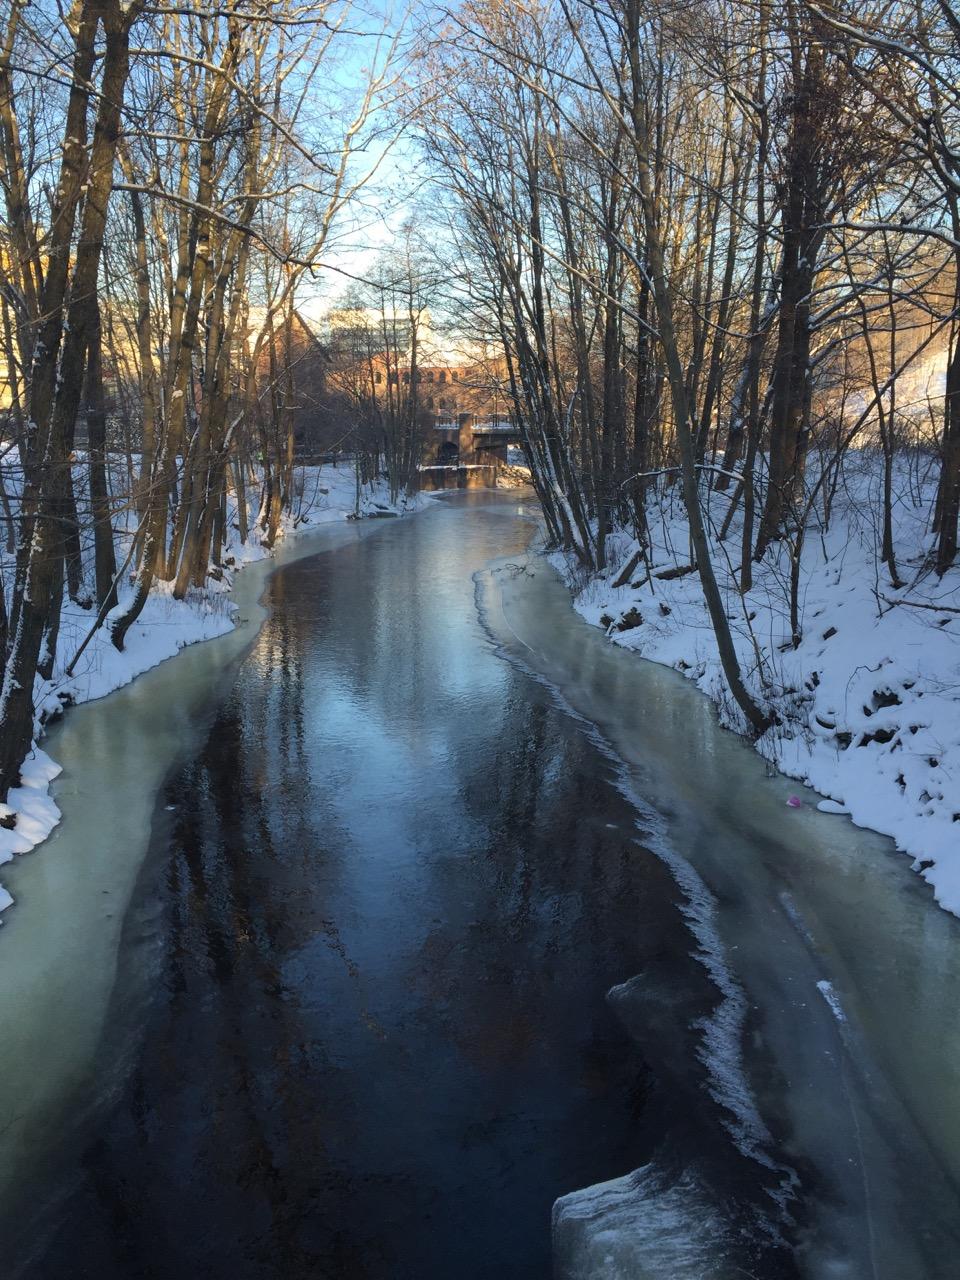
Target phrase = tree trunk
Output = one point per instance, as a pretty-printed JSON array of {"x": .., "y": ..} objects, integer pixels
[
  {"x": 57, "y": 384},
  {"x": 757, "y": 719},
  {"x": 105, "y": 562}
]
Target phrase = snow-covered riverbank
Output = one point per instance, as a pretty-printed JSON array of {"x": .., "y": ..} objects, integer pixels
[
  {"x": 869, "y": 701},
  {"x": 326, "y": 495}
]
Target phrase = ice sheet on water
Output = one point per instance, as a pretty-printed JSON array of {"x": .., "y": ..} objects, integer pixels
[
  {"x": 641, "y": 1226},
  {"x": 645, "y": 1225},
  {"x": 722, "y": 1031}
]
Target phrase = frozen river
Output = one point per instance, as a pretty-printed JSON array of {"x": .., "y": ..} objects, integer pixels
[{"x": 369, "y": 935}]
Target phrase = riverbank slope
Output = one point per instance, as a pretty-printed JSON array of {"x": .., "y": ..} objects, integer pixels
[{"x": 868, "y": 701}]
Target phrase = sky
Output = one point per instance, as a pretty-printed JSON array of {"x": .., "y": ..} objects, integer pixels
[{"x": 390, "y": 197}]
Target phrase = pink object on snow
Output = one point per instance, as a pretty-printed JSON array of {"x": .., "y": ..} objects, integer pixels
[{"x": 794, "y": 802}]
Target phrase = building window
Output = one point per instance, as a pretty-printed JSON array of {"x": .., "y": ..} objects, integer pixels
[
  {"x": 406, "y": 378},
  {"x": 443, "y": 375},
  {"x": 378, "y": 377},
  {"x": 455, "y": 376}
]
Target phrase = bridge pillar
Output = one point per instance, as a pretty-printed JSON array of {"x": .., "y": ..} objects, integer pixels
[{"x": 465, "y": 437}]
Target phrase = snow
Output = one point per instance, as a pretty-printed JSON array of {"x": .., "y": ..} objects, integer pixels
[
  {"x": 869, "y": 701},
  {"x": 831, "y": 806},
  {"x": 513, "y": 476},
  {"x": 829, "y": 994},
  {"x": 325, "y": 495},
  {"x": 36, "y": 814}
]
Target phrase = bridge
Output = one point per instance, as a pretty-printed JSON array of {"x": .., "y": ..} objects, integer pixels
[
  {"x": 466, "y": 439},
  {"x": 466, "y": 454}
]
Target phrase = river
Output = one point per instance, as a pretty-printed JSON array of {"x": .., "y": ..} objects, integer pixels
[{"x": 372, "y": 931}]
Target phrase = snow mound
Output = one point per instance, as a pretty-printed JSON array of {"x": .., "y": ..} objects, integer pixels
[{"x": 31, "y": 808}]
